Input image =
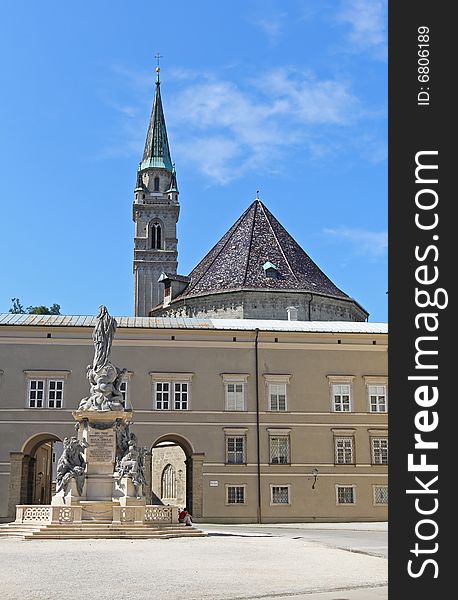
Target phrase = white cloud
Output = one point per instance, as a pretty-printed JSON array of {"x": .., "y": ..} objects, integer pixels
[
  {"x": 225, "y": 129},
  {"x": 367, "y": 20},
  {"x": 250, "y": 128},
  {"x": 373, "y": 244},
  {"x": 272, "y": 25}
]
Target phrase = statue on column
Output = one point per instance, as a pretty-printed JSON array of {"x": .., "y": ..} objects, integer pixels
[{"x": 105, "y": 379}]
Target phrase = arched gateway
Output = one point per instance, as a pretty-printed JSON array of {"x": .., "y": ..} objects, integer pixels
[
  {"x": 176, "y": 466},
  {"x": 32, "y": 471}
]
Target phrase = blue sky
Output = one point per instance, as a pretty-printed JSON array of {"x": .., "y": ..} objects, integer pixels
[{"x": 286, "y": 97}]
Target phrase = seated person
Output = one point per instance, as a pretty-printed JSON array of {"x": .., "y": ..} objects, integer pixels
[{"x": 185, "y": 517}]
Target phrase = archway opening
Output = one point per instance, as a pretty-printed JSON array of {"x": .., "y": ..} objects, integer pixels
[
  {"x": 39, "y": 468},
  {"x": 171, "y": 472}
]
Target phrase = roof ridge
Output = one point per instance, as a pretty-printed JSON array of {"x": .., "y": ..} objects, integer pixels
[
  {"x": 264, "y": 208},
  {"x": 229, "y": 234},
  {"x": 256, "y": 202}
]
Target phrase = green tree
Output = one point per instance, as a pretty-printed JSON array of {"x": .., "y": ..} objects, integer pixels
[{"x": 18, "y": 309}]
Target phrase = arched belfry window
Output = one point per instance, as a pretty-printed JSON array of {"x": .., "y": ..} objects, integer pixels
[
  {"x": 156, "y": 184},
  {"x": 156, "y": 236},
  {"x": 168, "y": 482}
]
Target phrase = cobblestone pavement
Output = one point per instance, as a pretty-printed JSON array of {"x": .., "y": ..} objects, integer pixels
[{"x": 249, "y": 565}]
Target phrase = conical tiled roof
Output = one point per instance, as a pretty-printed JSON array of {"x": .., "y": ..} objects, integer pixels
[
  {"x": 238, "y": 260},
  {"x": 157, "y": 152}
]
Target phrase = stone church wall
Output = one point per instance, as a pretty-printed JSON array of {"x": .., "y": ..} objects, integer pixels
[{"x": 265, "y": 305}]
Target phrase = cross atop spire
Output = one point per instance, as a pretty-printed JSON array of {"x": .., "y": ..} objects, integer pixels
[
  {"x": 158, "y": 57},
  {"x": 157, "y": 152}
]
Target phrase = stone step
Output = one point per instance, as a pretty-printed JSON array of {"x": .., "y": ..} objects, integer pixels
[
  {"x": 106, "y": 536},
  {"x": 99, "y": 531}
]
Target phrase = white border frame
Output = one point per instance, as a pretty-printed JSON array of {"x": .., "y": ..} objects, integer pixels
[
  {"x": 226, "y": 493},
  {"x": 286, "y": 485},
  {"x": 346, "y": 485}
]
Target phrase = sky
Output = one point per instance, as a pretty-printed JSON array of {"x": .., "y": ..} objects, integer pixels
[{"x": 288, "y": 98}]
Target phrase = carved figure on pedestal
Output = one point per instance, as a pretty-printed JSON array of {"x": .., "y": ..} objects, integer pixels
[
  {"x": 132, "y": 465},
  {"x": 123, "y": 438},
  {"x": 71, "y": 465},
  {"x": 105, "y": 379}
]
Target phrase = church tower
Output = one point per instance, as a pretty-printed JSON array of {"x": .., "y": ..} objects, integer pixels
[{"x": 155, "y": 213}]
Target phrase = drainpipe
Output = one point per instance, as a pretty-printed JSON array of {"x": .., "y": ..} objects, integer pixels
[
  {"x": 258, "y": 440},
  {"x": 310, "y": 302}
]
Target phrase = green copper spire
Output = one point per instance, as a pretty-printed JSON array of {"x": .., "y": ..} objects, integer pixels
[{"x": 157, "y": 152}]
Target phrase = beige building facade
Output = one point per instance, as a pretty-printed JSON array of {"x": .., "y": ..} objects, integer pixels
[{"x": 278, "y": 420}]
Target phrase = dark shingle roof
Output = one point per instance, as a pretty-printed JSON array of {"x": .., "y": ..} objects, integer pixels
[{"x": 236, "y": 261}]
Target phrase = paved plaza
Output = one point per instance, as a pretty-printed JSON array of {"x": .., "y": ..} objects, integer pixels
[{"x": 322, "y": 562}]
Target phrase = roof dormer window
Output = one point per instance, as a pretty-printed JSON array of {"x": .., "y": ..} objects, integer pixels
[{"x": 270, "y": 270}]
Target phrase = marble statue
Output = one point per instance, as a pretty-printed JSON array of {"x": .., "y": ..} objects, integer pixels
[
  {"x": 124, "y": 437},
  {"x": 105, "y": 379},
  {"x": 132, "y": 465},
  {"x": 71, "y": 465}
]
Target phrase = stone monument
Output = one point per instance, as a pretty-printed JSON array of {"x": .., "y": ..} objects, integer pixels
[
  {"x": 100, "y": 483},
  {"x": 102, "y": 467}
]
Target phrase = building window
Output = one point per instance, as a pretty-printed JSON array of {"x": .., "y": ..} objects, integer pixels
[
  {"x": 235, "y": 449},
  {"x": 280, "y": 494},
  {"x": 235, "y": 494},
  {"x": 156, "y": 236},
  {"x": 279, "y": 449},
  {"x": 379, "y": 451},
  {"x": 235, "y": 390},
  {"x": 168, "y": 482},
  {"x": 343, "y": 450},
  {"x": 381, "y": 495},
  {"x": 162, "y": 395},
  {"x": 55, "y": 393},
  {"x": 345, "y": 494},
  {"x": 156, "y": 184},
  {"x": 341, "y": 397},
  {"x": 235, "y": 396},
  {"x": 123, "y": 388},
  {"x": 46, "y": 393},
  {"x": 180, "y": 395},
  {"x": 173, "y": 393},
  {"x": 36, "y": 393},
  {"x": 277, "y": 396},
  {"x": 377, "y": 398}
]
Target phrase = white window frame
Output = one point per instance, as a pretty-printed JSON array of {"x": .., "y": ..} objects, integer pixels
[
  {"x": 376, "y": 382},
  {"x": 280, "y": 485},
  {"x": 374, "y": 441},
  {"x": 276, "y": 380},
  {"x": 55, "y": 388},
  {"x": 278, "y": 436},
  {"x": 235, "y": 485},
  {"x": 124, "y": 388},
  {"x": 374, "y": 492},
  {"x": 175, "y": 396},
  {"x": 340, "y": 485},
  {"x": 162, "y": 394},
  {"x": 35, "y": 388},
  {"x": 239, "y": 397},
  {"x": 51, "y": 381},
  {"x": 235, "y": 452},
  {"x": 341, "y": 380},
  {"x": 344, "y": 443},
  {"x": 180, "y": 395}
]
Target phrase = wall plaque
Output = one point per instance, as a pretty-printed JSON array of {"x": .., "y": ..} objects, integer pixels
[{"x": 102, "y": 445}]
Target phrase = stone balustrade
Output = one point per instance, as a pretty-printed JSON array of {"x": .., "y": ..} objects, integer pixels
[{"x": 45, "y": 515}]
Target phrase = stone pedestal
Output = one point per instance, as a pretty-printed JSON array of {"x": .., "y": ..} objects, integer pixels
[
  {"x": 98, "y": 428},
  {"x": 126, "y": 495},
  {"x": 71, "y": 498}
]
